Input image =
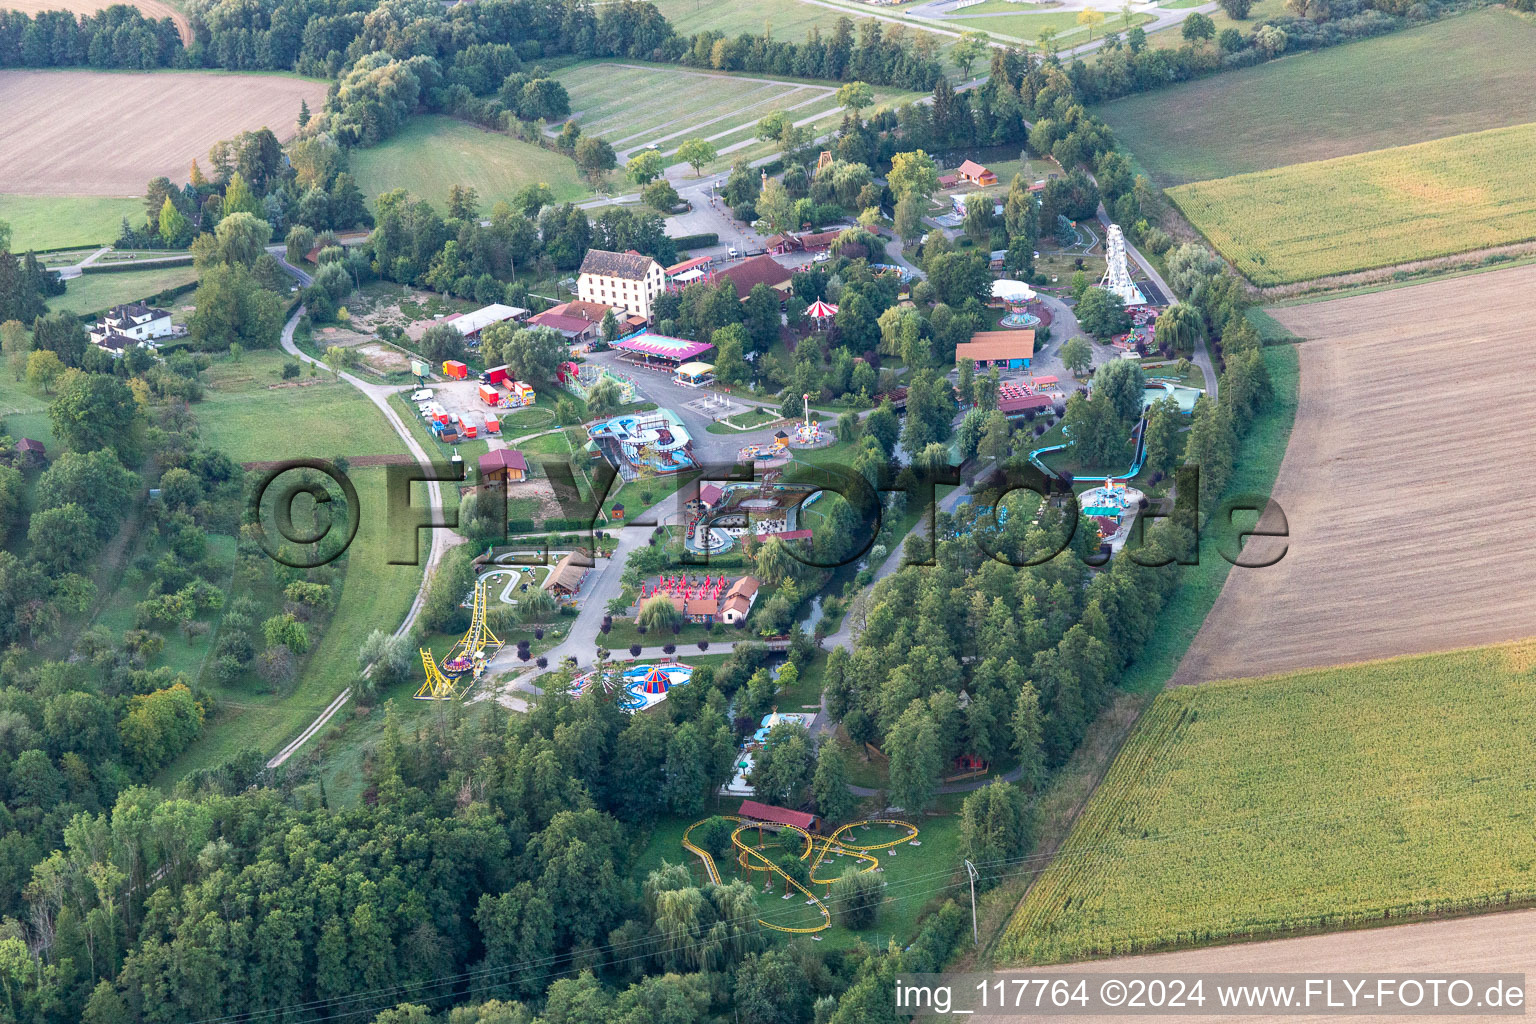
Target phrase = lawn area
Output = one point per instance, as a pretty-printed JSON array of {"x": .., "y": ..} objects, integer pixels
[
  {"x": 253, "y": 415},
  {"x": 1464, "y": 74},
  {"x": 1029, "y": 26},
  {"x": 1257, "y": 463},
  {"x": 911, "y": 877},
  {"x": 790, "y": 21},
  {"x": 92, "y": 293},
  {"x": 24, "y": 412},
  {"x": 1172, "y": 38},
  {"x": 1247, "y": 808},
  {"x": 48, "y": 222},
  {"x": 632, "y": 106},
  {"x": 1371, "y": 210},
  {"x": 374, "y": 595},
  {"x": 434, "y": 152}
]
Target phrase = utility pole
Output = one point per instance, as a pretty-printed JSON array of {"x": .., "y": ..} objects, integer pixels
[{"x": 970, "y": 869}]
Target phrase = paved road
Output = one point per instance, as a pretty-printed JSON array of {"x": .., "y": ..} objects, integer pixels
[{"x": 441, "y": 541}]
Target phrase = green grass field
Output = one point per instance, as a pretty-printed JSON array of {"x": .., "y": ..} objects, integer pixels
[
  {"x": 374, "y": 595},
  {"x": 91, "y": 293},
  {"x": 1322, "y": 799},
  {"x": 787, "y": 20},
  {"x": 912, "y": 878},
  {"x": 1172, "y": 38},
  {"x": 249, "y": 414},
  {"x": 1375, "y": 209},
  {"x": 1029, "y": 26},
  {"x": 47, "y": 222},
  {"x": 635, "y": 106},
  {"x": 433, "y": 153},
  {"x": 1451, "y": 77}
]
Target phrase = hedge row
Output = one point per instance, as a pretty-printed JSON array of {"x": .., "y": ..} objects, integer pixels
[
  {"x": 178, "y": 260},
  {"x": 697, "y": 241}
]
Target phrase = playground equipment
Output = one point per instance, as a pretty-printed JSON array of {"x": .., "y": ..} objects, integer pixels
[
  {"x": 1139, "y": 433},
  {"x": 638, "y": 686},
  {"x": 467, "y": 658},
  {"x": 656, "y": 441},
  {"x": 1117, "y": 275},
  {"x": 820, "y": 311},
  {"x": 808, "y": 432},
  {"x": 816, "y": 849},
  {"x": 579, "y": 379}
]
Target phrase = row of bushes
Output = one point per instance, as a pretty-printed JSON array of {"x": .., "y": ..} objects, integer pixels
[
  {"x": 697, "y": 241},
  {"x": 178, "y": 260}
]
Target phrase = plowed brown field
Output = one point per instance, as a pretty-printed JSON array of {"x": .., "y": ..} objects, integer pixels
[
  {"x": 1492, "y": 942},
  {"x": 107, "y": 133},
  {"x": 1409, "y": 485},
  {"x": 153, "y": 9}
]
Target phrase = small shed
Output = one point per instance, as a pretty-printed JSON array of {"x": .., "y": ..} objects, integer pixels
[{"x": 506, "y": 464}]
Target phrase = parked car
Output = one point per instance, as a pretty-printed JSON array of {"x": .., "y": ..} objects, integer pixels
[
  {"x": 423, "y": 395},
  {"x": 732, "y": 253},
  {"x": 821, "y": 257}
]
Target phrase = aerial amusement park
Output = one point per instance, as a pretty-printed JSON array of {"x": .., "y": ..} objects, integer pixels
[{"x": 466, "y": 662}]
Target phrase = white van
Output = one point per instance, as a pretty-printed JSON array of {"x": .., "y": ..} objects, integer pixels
[{"x": 423, "y": 395}]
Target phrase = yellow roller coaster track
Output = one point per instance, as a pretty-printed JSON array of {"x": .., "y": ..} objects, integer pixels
[
  {"x": 472, "y": 645},
  {"x": 816, "y": 848}
]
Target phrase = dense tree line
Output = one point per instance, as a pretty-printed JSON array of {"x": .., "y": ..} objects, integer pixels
[
  {"x": 115, "y": 37},
  {"x": 1122, "y": 67},
  {"x": 880, "y": 55}
]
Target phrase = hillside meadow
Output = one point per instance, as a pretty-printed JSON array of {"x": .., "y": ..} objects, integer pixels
[
  {"x": 1324, "y": 799},
  {"x": 1450, "y": 77},
  {"x": 1372, "y": 210},
  {"x": 433, "y": 153}
]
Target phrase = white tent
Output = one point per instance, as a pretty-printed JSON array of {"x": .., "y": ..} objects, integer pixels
[{"x": 1012, "y": 291}]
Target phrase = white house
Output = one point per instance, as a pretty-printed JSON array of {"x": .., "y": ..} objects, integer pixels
[
  {"x": 136, "y": 321},
  {"x": 625, "y": 279},
  {"x": 738, "y": 600}
]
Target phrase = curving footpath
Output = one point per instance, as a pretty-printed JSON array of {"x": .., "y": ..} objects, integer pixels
[
  {"x": 442, "y": 540},
  {"x": 816, "y": 849}
]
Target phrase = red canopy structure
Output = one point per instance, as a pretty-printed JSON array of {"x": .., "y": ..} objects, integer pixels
[{"x": 819, "y": 310}]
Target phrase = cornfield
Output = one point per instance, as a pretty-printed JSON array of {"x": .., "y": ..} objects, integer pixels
[
  {"x": 1317, "y": 800},
  {"x": 1375, "y": 209}
]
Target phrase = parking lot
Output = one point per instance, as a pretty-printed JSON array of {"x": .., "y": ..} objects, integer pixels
[{"x": 461, "y": 398}]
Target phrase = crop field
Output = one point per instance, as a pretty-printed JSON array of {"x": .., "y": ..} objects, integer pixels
[
  {"x": 433, "y": 153},
  {"x": 107, "y": 133},
  {"x": 1372, "y": 210},
  {"x": 90, "y": 293},
  {"x": 1461, "y": 75},
  {"x": 1401, "y": 486},
  {"x": 47, "y": 222},
  {"x": 1486, "y": 942},
  {"x": 155, "y": 9},
  {"x": 1249, "y": 807},
  {"x": 634, "y": 106}
]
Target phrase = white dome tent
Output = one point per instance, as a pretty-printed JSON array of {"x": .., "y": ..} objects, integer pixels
[{"x": 1012, "y": 291}]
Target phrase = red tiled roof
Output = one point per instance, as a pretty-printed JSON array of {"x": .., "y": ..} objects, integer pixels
[
  {"x": 709, "y": 494},
  {"x": 778, "y": 815},
  {"x": 560, "y": 322},
  {"x": 503, "y": 458},
  {"x": 971, "y": 169},
  {"x": 755, "y": 271}
]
